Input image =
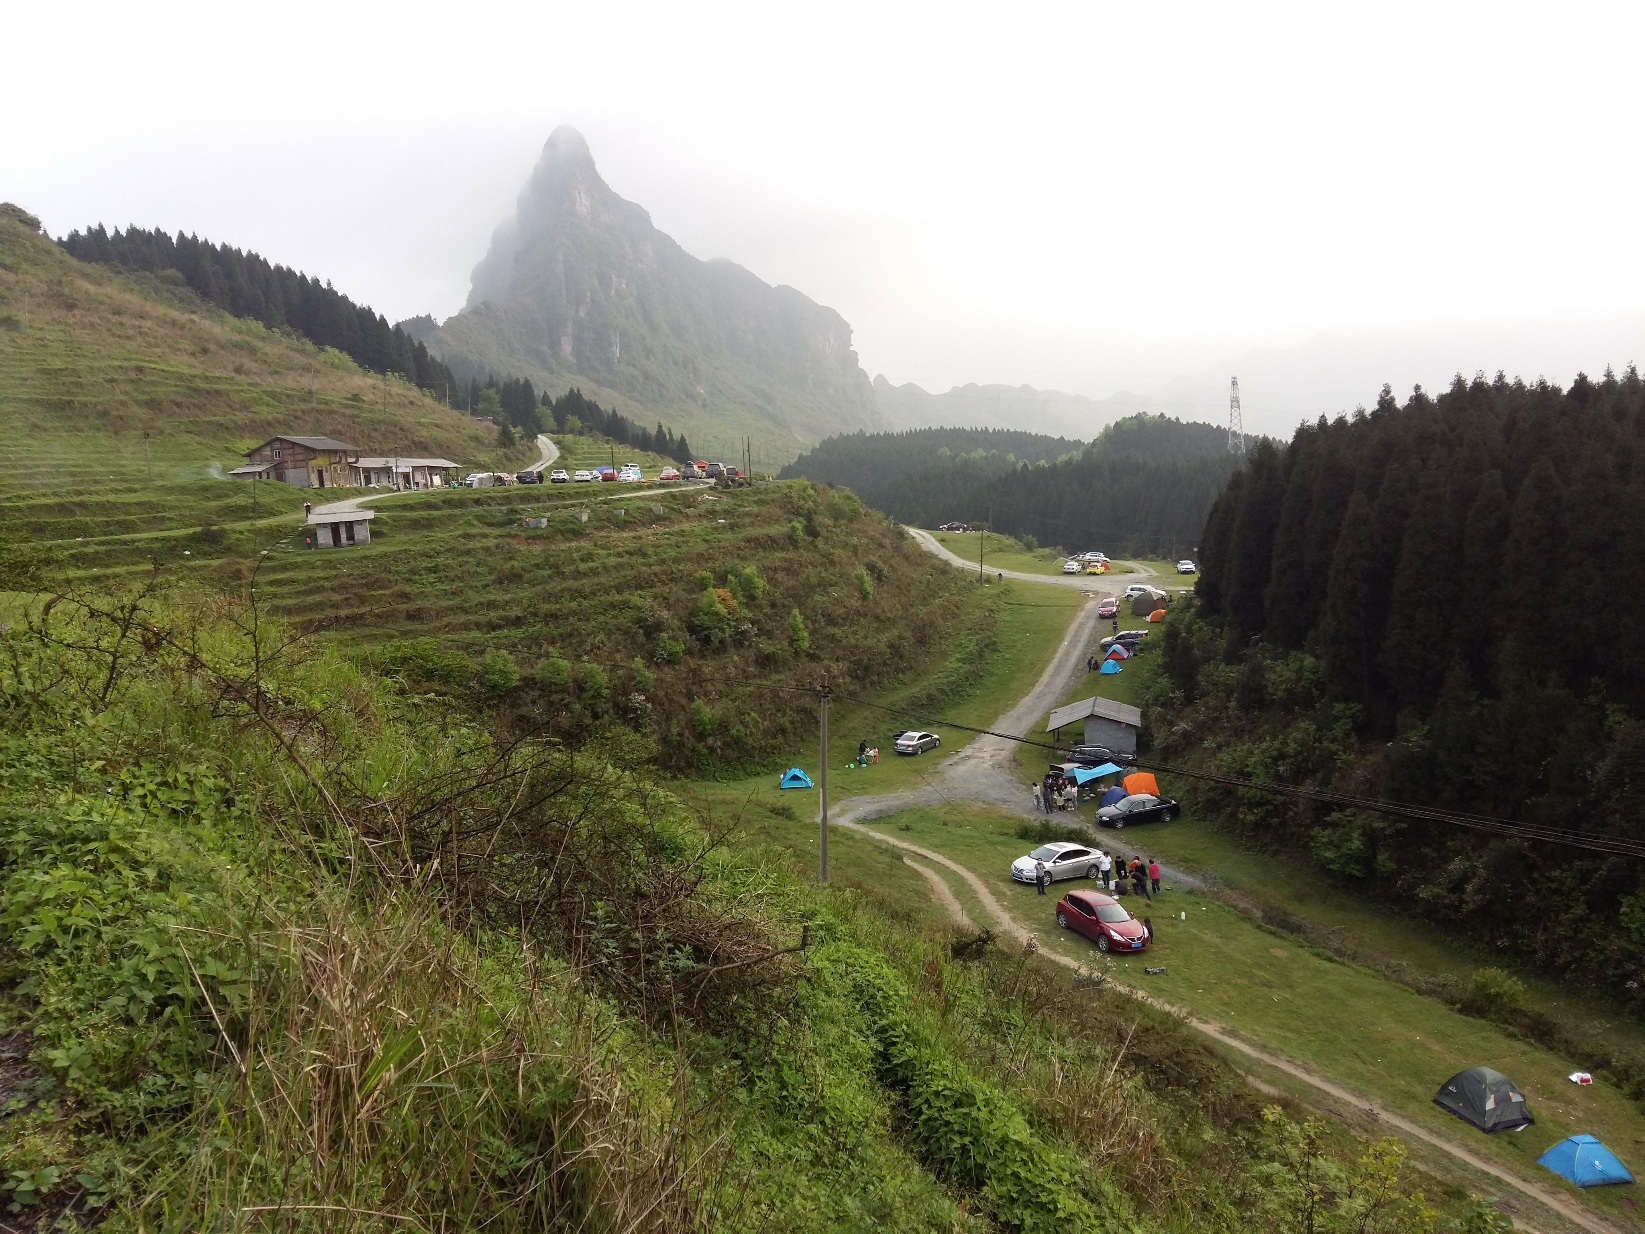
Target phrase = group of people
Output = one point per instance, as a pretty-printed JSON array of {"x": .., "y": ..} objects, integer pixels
[
  {"x": 1140, "y": 877},
  {"x": 1056, "y": 792}
]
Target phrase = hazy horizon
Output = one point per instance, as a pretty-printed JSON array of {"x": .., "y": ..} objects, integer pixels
[{"x": 1088, "y": 200}]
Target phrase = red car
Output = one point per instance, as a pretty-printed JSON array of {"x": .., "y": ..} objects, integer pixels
[
  {"x": 1108, "y": 608},
  {"x": 1101, "y": 919}
]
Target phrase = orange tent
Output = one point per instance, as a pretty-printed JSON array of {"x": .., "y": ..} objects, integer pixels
[
  {"x": 1157, "y": 615},
  {"x": 1141, "y": 782}
]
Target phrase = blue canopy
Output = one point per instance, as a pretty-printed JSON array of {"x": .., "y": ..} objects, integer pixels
[
  {"x": 795, "y": 778},
  {"x": 1110, "y": 667},
  {"x": 1107, "y": 769},
  {"x": 1585, "y": 1161},
  {"x": 1111, "y": 796},
  {"x": 1082, "y": 774}
]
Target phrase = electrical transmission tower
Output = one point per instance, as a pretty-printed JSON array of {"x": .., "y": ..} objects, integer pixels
[{"x": 1236, "y": 426}]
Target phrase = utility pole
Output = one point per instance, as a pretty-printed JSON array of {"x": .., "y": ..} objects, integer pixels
[
  {"x": 148, "y": 459},
  {"x": 822, "y": 779}
]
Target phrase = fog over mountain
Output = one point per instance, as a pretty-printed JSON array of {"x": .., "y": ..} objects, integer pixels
[{"x": 579, "y": 288}]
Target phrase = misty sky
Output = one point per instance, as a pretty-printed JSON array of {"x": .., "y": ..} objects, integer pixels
[{"x": 1085, "y": 196}]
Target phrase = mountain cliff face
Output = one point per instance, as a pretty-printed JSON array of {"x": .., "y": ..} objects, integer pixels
[{"x": 580, "y": 289}]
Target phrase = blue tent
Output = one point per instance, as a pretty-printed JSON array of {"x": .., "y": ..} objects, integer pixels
[
  {"x": 1083, "y": 774},
  {"x": 1111, "y": 796},
  {"x": 1110, "y": 667},
  {"x": 795, "y": 778},
  {"x": 1107, "y": 769},
  {"x": 1585, "y": 1161}
]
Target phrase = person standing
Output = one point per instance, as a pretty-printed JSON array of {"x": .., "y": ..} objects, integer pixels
[
  {"x": 1041, "y": 877},
  {"x": 862, "y": 753},
  {"x": 1153, "y": 874},
  {"x": 1105, "y": 865},
  {"x": 1038, "y": 804}
]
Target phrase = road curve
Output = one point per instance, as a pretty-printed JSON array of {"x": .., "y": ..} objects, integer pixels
[
  {"x": 982, "y": 771},
  {"x": 1099, "y": 584}
]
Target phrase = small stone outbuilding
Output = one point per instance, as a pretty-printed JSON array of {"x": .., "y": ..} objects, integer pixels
[
  {"x": 340, "y": 528},
  {"x": 1107, "y": 723}
]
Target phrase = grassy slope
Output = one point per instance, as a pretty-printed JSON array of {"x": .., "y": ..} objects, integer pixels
[
  {"x": 1344, "y": 1020},
  {"x": 1000, "y": 552},
  {"x": 91, "y": 360}
]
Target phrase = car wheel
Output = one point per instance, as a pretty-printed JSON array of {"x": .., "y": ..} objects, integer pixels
[
  {"x": 1119, "y": 822},
  {"x": 1062, "y": 921},
  {"x": 1102, "y": 943},
  {"x": 1093, "y": 871},
  {"x": 1169, "y": 815}
]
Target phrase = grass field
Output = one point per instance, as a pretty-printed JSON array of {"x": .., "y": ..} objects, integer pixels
[
  {"x": 1342, "y": 1019},
  {"x": 1000, "y": 552}
]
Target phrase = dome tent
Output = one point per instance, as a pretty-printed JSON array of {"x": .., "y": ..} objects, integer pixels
[
  {"x": 795, "y": 778},
  {"x": 1486, "y": 1098},
  {"x": 1585, "y": 1161}
]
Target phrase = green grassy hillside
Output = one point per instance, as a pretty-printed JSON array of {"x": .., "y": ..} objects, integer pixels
[{"x": 92, "y": 362}]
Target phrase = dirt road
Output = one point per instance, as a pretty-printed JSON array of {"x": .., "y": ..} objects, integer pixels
[
  {"x": 983, "y": 771},
  {"x": 1096, "y": 584}
]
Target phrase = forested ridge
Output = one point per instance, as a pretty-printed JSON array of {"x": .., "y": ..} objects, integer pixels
[
  {"x": 1143, "y": 486},
  {"x": 245, "y": 284},
  {"x": 1438, "y": 602}
]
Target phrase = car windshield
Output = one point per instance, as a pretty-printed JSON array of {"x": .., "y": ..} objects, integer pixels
[
  {"x": 1112, "y": 914},
  {"x": 1044, "y": 854}
]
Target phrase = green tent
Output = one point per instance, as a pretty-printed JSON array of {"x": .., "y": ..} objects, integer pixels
[{"x": 1487, "y": 1099}]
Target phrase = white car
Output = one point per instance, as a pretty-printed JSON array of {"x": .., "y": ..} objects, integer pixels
[
  {"x": 1062, "y": 860},
  {"x": 915, "y": 742},
  {"x": 558, "y": 476},
  {"x": 630, "y": 473},
  {"x": 583, "y": 477},
  {"x": 1137, "y": 589},
  {"x": 1185, "y": 566},
  {"x": 1071, "y": 567}
]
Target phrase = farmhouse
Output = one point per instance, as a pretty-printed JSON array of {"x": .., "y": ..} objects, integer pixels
[
  {"x": 340, "y": 528},
  {"x": 303, "y": 462},
  {"x": 397, "y": 471},
  {"x": 1107, "y": 723}
]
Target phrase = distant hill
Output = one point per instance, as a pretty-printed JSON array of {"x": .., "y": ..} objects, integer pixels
[
  {"x": 102, "y": 371},
  {"x": 1144, "y": 486},
  {"x": 580, "y": 288},
  {"x": 1011, "y": 407}
]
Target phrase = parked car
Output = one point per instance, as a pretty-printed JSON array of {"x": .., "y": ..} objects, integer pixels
[
  {"x": 1185, "y": 566},
  {"x": 582, "y": 477},
  {"x": 1095, "y": 756},
  {"x": 1070, "y": 567},
  {"x": 1062, "y": 860},
  {"x": 731, "y": 473},
  {"x": 630, "y": 474},
  {"x": 1130, "y": 639},
  {"x": 1103, "y": 920},
  {"x": 1138, "y": 808},
  {"x": 1109, "y": 608},
  {"x": 915, "y": 742},
  {"x": 607, "y": 474},
  {"x": 669, "y": 473},
  {"x": 1096, "y": 567},
  {"x": 558, "y": 476},
  {"x": 530, "y": 477},
  {"x": 954, "y": 527},
  {"x": 714, "y": 471},
  {"x": 1136, "y": 589}
]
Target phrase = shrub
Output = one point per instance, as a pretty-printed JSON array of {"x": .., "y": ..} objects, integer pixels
[
  {"x": 796, "y": 533},
  {"x": 865, "y": 584},
  {"x": 1029, "y": 543},
  {"x": 667, "y": 648},
  {"x": 703, "y": 719},
  {"x": 728, "y": 600},
  {"x": 705, "y": 580},
  {"x": 1493, "y": 995},
  {"x": 711, "y": 625},
  {"x": 643, "y": 678},
  {"x": 424, "y": 660},
  {"x": 596, "y": 685},
  {"x": 753, "y": 583},
  {"x": 798, "y": 638},
  {"x": 498, "y": 672},
  {"x": 1050, "y": 831},
  {"x": 554, "y": 672}
]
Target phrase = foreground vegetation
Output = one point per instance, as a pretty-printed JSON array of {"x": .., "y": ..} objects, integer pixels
[{"x": 284, "y": 939}]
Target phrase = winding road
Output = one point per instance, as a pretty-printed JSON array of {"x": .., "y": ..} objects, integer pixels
[
  {"x": 983, "y": 772},
  {"x": 546, "y": 450}
]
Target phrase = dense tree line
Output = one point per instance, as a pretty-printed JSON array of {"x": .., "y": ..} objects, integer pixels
[
  {"x": 1454, "y": 584},
  {"x": 516, "y": 402},
  {"x": 1143, "y": 486},
  {"x": 245, "y": 284}
]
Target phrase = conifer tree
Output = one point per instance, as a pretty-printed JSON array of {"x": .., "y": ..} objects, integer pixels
[{"x": 1345, "y": 631}]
